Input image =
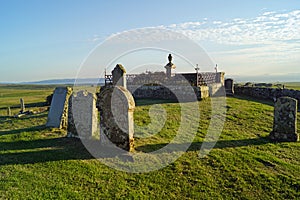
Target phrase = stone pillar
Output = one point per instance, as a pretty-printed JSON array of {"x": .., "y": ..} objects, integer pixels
[
  {"x": 82, "y": 115},
  {"x": 116, "y": 106},
  {"x": 285, "y": 120},
  {"x": 22, "y": 105},
  {"x": 8, "y": 111},
  {"x": 119, "y": 76},
  {"x": 229, "y": 86}
]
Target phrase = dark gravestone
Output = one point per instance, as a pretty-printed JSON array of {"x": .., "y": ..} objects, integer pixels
[
  {"x": 8, "y": 111},
  {"x": 285, "y": 120},
  {"x": 229, "y": 86}
]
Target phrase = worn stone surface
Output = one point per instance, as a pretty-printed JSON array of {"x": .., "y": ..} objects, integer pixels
[
  {"x": 116, "y": 106},
  {"x": 285, "y": 120},
  {"x": 119, "y": 76},
  {"x": 83, "y": 115},
  {"x": 58, "y": 113},
  {"x": 229, "y": 86}
]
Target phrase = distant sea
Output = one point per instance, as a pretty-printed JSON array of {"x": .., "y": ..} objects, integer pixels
[{"x": 237, "y": 78}]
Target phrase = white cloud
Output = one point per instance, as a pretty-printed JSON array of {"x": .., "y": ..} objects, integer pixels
[
  {"x": 268, "y": 27},
  {"x": 273, "y": 37}
]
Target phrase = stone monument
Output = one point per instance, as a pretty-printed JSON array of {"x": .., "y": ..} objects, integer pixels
[
  {"x": 285, "y": 120},
  {"x": 119, "y": 76},
  {"x": 22, "y": 105},
  {"x": 169, "y": 67},
  {"x": 82, "y": 115},
  {"x": 116, "y": 105},
  {"x": 57, "y": 116},
  {"x": 229, "y": 87},
  {"x": 8, "y": 111}
]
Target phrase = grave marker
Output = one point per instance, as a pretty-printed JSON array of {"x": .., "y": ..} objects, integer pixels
[
  {"x": 22, "y": 105},
  {"x": 285, "y": 120},
  {"x": 229, "y": 86},
  {"x": 57, "y": 117},
  {"x": 116, "y": 105},
  {"x": 83, "y": 115}
]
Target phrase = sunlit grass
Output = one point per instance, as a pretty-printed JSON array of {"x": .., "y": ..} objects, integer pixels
[{"x": 41, "y": 163}]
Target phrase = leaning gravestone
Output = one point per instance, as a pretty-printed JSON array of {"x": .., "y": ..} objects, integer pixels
[
  {"x": 285, "y": 120},
  {"x": 116, "y": 105},
  {"x": 82, "y": 115},
  {"x": 57, "y": 117}
]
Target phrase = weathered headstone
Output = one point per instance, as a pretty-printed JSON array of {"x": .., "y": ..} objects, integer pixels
[
  {"x": 8, "y": 111},
  {"x": 229, "y": 86},
  {"x": 22, "y": 105},
  {"x": 57, "y": 116},
  {"x": 119, "y": 76},
  {"x": 116, "y": 105},
  {"x": 285, "y": 120},
  {"x": 83, "y": 115}
]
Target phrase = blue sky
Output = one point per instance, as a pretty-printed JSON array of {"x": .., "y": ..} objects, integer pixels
[{"x": 50, "y": 38}]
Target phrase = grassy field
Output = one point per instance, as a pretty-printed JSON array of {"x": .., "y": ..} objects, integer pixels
[
  {"x": 41, "y": 163},
  {"x": 292, "y": 85}
]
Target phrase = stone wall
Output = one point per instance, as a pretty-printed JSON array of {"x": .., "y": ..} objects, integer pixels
[
  {"x": 169, "y": 92},
  {"x": 266, "y": 93}
]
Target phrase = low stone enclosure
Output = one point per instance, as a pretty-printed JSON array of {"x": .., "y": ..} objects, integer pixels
[
  {"x": 78, "y": 112},
  {"x": 266, "y": 93},
  {"x": 156, "y": 86}
]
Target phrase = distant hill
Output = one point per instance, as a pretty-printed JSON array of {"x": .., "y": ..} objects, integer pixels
[{"x": 84, "y": 81}]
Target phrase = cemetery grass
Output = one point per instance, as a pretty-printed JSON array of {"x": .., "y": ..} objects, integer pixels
[{"x": 40, "y": 163}]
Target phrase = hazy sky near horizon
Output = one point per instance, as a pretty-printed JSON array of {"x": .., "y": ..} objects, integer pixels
[{"x": 50, "y": 39}]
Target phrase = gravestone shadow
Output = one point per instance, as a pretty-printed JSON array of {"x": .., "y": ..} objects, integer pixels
[
  {"x": 42, "y": 150},
  {"x": 196, "y": 146},
  {"x": 16, "y": 131}
]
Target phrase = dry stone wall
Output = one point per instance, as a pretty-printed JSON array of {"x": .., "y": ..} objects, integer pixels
[
  {"x": 266, "y": 93},
  {"x": 162, "y": 92}
]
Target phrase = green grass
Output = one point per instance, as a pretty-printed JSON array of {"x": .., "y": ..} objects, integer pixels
[
  {"x": 40, "y": 163},
  {"x": 292, "y": 85}
]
